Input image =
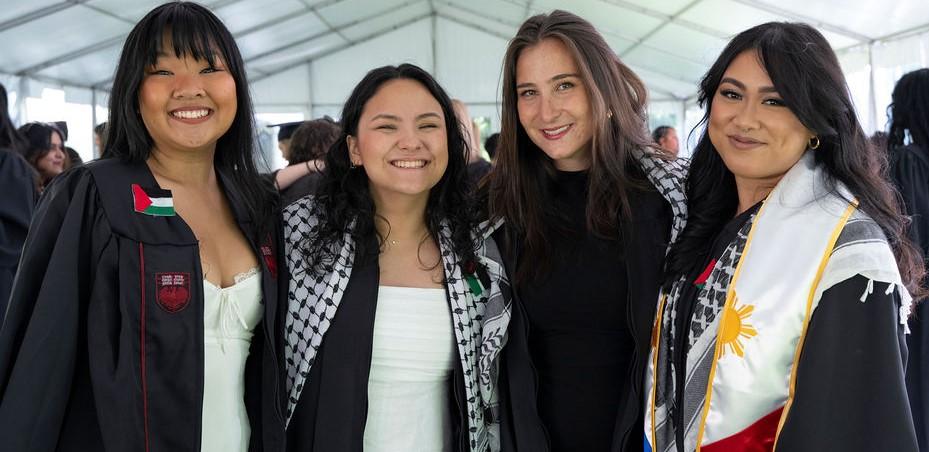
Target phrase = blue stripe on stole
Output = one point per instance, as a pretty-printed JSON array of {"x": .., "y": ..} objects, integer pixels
[{"x": 648, "y": 447}]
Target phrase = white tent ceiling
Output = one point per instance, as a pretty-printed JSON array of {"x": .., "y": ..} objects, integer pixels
[{"x": 305, "y": 55}]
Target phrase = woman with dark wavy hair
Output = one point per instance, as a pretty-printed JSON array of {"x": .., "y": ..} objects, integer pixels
[
  {"x": 390, "y": 283},
  {"x": 44, "y": 150},
  {"x": 144, "y": 313},
  {"x": 908, "y": 145},
  {"x": 783, "y": 313},
  {"x": 588, "y": 209}
]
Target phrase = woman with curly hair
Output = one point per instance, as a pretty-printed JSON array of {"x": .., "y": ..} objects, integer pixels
[
  {"x": 390, "y": 282},
  {"x": 44, "y": 149}
]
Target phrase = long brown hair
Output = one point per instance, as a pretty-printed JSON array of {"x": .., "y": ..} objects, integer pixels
[{"x": 517, "y": 187}]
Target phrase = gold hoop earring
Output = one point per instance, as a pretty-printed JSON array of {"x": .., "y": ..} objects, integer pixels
[{"x": 814, "y": 143}]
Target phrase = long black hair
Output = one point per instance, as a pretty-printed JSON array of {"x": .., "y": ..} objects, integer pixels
[
  {"x": 343, "y": 195},
  {"x": 807, "y": 75},
  {"x": 909, "y": 110},
  {"x": 10, "y": 138},
  {"x": 192, "y": 31}
]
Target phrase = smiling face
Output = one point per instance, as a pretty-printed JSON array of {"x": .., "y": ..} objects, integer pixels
[
  {"x": 186, "y": 104},
  {"x": 553, "y": 105},
  {"x": 757, "y": 136},
  {"x": 53, "y": 162},
  {"x": 401, "y": 141}
]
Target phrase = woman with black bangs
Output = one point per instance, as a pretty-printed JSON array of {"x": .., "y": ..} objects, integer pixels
[
  {"x": 395, "y": 302},
  {"x": 144, "y": 313},
  {"x": 782, "y": 318}
]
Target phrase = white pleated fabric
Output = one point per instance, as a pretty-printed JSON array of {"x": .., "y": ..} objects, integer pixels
[
  {"x": 230, "y": 315},
  {"x": 411, "y": 365}
]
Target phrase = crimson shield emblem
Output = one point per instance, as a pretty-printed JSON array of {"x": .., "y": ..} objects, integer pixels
[{"x": 172, "y": 290}]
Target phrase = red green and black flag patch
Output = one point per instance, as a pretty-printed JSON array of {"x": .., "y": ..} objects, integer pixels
[{"x": 152, "y": 201}]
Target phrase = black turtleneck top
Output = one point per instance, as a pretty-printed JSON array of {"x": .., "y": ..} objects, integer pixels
[{"x": 579, "y": 339}]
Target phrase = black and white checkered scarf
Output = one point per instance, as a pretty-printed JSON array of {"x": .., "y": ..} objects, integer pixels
[{"x": 480, "y": 320}]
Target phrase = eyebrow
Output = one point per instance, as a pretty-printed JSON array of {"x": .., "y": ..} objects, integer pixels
[
  {"x": 740, "y": 85},
  {"x": 391, "y": 117},
  {"x": 555, "y": 78}
]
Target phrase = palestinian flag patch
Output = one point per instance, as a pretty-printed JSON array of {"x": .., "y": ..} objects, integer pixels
[
  {"x": 701, "y": 280},
  {"x": 152, "y": 201}
]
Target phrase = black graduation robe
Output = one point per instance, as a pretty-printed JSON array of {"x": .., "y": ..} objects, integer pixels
[
  {"x": 17, "y": 184},
  {"x": 333, "y": 406},
  {"x": 910, "y": 172},
  {"x": 94, "y": 355},
  {"x": 850, "y": 392}
]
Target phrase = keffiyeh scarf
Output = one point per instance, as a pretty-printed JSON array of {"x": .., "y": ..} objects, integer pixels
[{"x": 476, "y": 293}]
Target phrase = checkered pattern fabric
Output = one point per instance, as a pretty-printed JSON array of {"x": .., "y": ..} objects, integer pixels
[
  {"x": 313, "y": 297},
  {"x": 704, "y": 325},
  {"x": 480, "y": 321},
  {"x": 668, "y": 177}
]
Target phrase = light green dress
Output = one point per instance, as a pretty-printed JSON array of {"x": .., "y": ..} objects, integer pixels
[{"x": 230, "y": 315}]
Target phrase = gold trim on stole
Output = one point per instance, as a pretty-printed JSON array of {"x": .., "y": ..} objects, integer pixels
[
  {"x": 730, "y": 297},
  {"x": 806, "y": 319}
]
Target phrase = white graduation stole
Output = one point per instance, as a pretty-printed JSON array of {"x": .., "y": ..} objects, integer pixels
[{"x": 770, "y": 300}]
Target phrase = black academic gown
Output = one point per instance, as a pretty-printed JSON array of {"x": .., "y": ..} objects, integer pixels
[
  {"x": 333, "y": 407},
  {"x": 17, "y": 184},
  {"x": 910, "y": 173},
  {"x": 93, "y": 355},
  {"x": 849, "y": 394}
]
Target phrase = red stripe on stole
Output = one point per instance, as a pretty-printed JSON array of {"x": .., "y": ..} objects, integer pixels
[
  {"x": 142, "y": 345},
  {"x": 758, "y": 437}
]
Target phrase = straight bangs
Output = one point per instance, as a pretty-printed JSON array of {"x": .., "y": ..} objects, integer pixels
[{"x": 188, "y": 34}]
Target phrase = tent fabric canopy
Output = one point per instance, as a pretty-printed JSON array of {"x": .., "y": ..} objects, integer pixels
[{"x": 305, "y": 55}]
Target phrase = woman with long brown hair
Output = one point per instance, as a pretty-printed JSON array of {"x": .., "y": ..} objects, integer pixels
[{"x": 588, "y": 208}]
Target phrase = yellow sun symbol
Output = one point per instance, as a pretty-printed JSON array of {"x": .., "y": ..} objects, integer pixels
[{"x": 735, "y": 328}]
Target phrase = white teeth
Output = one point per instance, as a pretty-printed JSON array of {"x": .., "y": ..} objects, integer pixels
[
  {"x": 190, "y": 114},
  {"x": 409, "y": 163},
  {"x": 552, "y": 132}
]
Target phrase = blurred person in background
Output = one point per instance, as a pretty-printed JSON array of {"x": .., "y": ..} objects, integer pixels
[
  {"x": 100, "y": 138},
  {"x": 308, "y": 145},
  {"x": 284, "y": 132},
  {"x": 18, "y": 186},
  {"x": 45, "y": 151},
  {"x": 666, "y": 138},
  {"x": 74, "y": 158},
  {"x": 490, "y": 145},
  {"x": 477, "y": 166},
  {"x": 908, "y": 147}
]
